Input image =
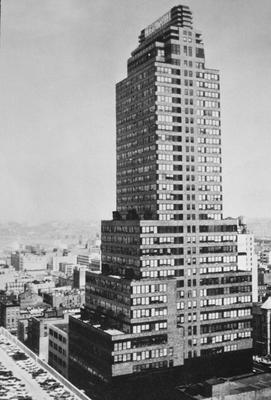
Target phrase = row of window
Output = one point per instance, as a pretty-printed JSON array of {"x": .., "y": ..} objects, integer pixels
[
  {"x": 154, "y": 365},
  {"x": 145, "y": 301},
  {"x": 215, "y": 160},
  {"x": 209, "y": 113},
  {"x": 167, "y": 70},
  {"x": 225, "y": 338},
  {"x": 218, "y": 259},
  {"x": 205, "y": 140},
  {"x": 207, "y": 121},
  {"x": 228, "y": 290},
  {"x": 225, "y": 326},
  {"x": 158, "y": 274},
  {"x": 58, "y": 336},
  {"x": 209, "y": 150},
  {"x": 225, "y": 314},
  {"x": 155, "y": 326},
  {"x": 56, "y": 361},
  {"x": 207, "y": 103},
  {"x": 224, "y": 301},
  {"x": 120, "y": 228},
  {"x": 218, "y": 238},
  {"x": 206, "y": 93},
  {"x": 142, "y": 355},
  {"x": 210, "y": 197},
  {"x": 209, "y": 131},
  {"x": 218, "y": 269},
  {"x": 208, "y": 85},
  {"x": 142, "y": 289},
  {"x": 158, "y": 263},
  {"x": 57, "y": 348},
  {"x": 149, "y": 312},
  {"x": 207, "y": 75}
]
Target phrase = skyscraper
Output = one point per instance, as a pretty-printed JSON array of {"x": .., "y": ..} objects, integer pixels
[{"x": 170, "y": 297}]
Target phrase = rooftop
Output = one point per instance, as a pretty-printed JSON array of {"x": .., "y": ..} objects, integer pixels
[
  {"x": 63, "y": 327},
  {"x": 221, "y": 388},
  {"x": 267, "y": 304},
  {"x": 23, "y": 375},
  {"x": 177, "y": 16}
]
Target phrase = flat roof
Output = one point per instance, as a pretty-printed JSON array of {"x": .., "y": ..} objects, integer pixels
[
  {"x": 63, "y": 327},
  {"x": 233, "y": 385},
  {"x": 113, "y": 332},
  {"x": 23, "y": 375}
]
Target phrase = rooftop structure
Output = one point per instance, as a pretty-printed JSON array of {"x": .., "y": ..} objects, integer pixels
[
  {"x": 251, "y": 387},
  {"x": 58, "y": 348}
]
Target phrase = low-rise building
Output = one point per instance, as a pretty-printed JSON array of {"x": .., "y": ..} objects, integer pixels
[
  {"x": 90, "y": 258},
  {"x": 40, "y": 286},
  {"x": 79, "y": 277},
  {"x": 60, "y": 259},
  {"x": 9, "y": 314},
  {"x": 23, "y": 261},
  {"x": 17, "y": 286},
  {"x": 41, "y": 311},
  {"x": 58, "y": 348},
  {"x": 29, "y": 299},
  {"x": 249, "y": 387},
  {"x": 262, "y": 328},
  {"x": 38, "y": 331},
  {"x": 66, "y": 268},
  {"x": 265, "y": 257},
  {"x": 16, "y": 383},
  {"x": 74, "y": 298}
]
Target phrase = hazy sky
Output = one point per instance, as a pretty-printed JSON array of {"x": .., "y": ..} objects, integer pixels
[{"x": 60, "y": 60}]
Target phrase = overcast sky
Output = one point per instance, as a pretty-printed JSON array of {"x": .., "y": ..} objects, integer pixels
[{"x": 60, "y": 60}]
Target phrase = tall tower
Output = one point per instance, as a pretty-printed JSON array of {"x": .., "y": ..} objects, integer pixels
[{"x": 170, "y": 297}]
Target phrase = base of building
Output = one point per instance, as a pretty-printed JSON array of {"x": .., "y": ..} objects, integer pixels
[{"x": 161, "y": 384}]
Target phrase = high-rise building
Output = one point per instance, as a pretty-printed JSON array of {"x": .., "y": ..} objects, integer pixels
[{"x": 170, "y": 297}]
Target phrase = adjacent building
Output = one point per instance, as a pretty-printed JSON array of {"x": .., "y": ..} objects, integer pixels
[
  {"x": 265, "y": 257},
  {"x": 262, "y": 328},
  {"x": 79, "y": 277},
  {"x": 23, "y": 261},
  {"x": 29, "y": 299},
  {"x": 74, "y": 298},
  {"x": 58, "y": 348},
  {"x": 247, "y": 257},
  {"x": 171, "y": 300},
  {"x": 19, "y": 379},
  {"x": 249, "y": 387},
  {"x": 9, "y": 314},
  {"x": 38, "y": 331}
]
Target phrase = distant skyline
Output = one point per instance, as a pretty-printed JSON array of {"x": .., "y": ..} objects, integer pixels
[{"x": 60, "y": 61}]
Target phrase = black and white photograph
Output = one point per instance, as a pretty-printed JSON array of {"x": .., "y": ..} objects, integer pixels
[{"x": 135, "y": 211}]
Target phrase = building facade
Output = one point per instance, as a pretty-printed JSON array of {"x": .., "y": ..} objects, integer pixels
[
  {"x": 73, "y": 298},
  {"x": 262, "y": 328},
  {"x": 247, "y": 257},
  {"x": 58, "y": 348},
  {"x": 265, "y": 257},
  {"x": 170, "y": 297},
  {"x": 79, "y": 277},
  {"x": 22, "y": 261},
  {"x": 38, "y": 332},
  {"x": 9, "y": 315}
]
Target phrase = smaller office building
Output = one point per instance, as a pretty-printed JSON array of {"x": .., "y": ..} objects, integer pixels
[
  {"x": 262, "y": 328},
  {"x": 9, "y": 314},
  {"x": 58, "y": 348}
]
